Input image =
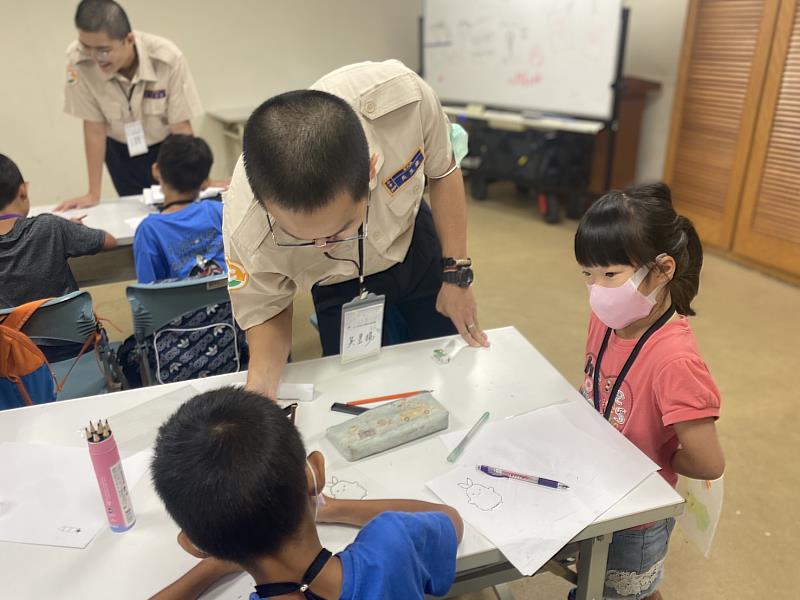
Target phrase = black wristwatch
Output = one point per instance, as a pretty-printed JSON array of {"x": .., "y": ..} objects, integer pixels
[{"x": 457, "y": 271}]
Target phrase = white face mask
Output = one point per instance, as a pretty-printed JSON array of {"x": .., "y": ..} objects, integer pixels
[{"x": 319, "y": 497}]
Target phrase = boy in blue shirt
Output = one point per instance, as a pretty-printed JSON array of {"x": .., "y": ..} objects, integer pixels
[
  {"x": 185, "y": 237},
  {"x": 234, "y": 475}
]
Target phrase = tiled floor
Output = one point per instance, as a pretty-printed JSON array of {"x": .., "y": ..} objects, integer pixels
[{"x": 748, "y": 327}]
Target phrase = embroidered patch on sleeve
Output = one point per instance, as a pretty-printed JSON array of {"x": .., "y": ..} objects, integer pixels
[
  {"x": 399, "y": 179},
  {"x": 72, "y": 75},
  {"x": 237, "y": 276}
]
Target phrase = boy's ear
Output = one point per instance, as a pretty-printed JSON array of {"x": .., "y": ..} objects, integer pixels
[
  {"x": 22, "y": 192},
  {"x": 156, "y": 173},
  {"x": 205, "y": 183},
  {"x": 317, "y": 462},
  {"x": 185, "y": 543}
]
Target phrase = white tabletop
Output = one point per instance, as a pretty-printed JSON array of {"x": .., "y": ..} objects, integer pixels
[
  {"x": 118, "y": 216},
  {"x": 231, "y": 115},
  {"x": 517, "y": 120},
  {"x": 509, "y": 378}
]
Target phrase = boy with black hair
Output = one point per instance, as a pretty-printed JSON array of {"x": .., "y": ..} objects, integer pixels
[
  {"x": 34, "y": 251},
  {"x": 233, "y": 473},
  {"x": 185, "y": 237}
]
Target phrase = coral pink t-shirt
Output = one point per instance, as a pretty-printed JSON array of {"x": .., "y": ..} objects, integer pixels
[{"x": 668, "y": 383}]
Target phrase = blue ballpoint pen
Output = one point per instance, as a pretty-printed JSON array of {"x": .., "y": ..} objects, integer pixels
[{"x": 497, "y": 472}]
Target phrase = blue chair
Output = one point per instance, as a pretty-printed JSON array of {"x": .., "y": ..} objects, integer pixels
[
  {"x": 184, "y": 329},
  {"x": 62, "y": 328}
]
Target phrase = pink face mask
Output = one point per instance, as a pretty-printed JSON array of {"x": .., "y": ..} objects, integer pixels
[{"x": 620, "y": 306}]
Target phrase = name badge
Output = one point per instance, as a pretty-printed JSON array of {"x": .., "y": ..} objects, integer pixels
[
  {"x": 362, "y": 326},
  {"x": 134, "y": 134}
]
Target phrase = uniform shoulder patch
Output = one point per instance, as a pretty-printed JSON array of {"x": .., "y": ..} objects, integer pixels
[
  {"x": 237, "y": 276},
  {"x": 399, "y": 179},
  {"x": 72, "y": 75}
]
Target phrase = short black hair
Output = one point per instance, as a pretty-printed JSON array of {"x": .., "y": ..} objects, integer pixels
[
  {"x": 632, "y": 227},
  {"x": 184, "y": 162},
  {"x": 10, "y": 181},
  {"x": 302, "y": 148},
  {"x": 230, "y": 469},
  {"x": 94, "y": 16}
]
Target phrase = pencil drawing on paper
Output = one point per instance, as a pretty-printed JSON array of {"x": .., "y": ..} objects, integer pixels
[
  {"x": 345, "y": 490},
  {"x": 481, "y": 497}
]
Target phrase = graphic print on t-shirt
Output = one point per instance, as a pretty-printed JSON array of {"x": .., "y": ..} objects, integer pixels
[{"x": 623, "y": 401}]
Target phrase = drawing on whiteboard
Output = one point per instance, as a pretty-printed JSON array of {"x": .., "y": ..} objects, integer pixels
[
  {"x": 345, "y": 490},
  {"x": 481, "y": 497}
]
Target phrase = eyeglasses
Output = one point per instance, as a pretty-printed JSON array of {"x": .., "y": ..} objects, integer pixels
[
  {"x": 101, "y": 53},
  {"x": 321, "y": 242}
]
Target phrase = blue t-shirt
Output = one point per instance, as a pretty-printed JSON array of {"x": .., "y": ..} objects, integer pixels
[
  {"x": 167, "y": 245},
  {"x": 399, "y": 556}
]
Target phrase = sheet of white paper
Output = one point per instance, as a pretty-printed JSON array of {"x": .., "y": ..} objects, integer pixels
[
  {"x": 703, "y": 508},
  {"x": 134, "y": 222},
  {"x": 296, "y": 392},
  {"x": 566, "y": 442},
  {"x": 50, "y": 495}
]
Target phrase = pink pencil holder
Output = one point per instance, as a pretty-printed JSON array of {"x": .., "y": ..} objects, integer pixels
[{"x": 113, "y": 487}]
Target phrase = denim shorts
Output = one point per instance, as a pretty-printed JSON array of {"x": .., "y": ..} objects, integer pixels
[{"x": 636, "y": 561}]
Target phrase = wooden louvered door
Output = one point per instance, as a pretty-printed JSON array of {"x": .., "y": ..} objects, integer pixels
[
  {"x": 725, "y": 52},
  {"x": 768, "y": 229}
]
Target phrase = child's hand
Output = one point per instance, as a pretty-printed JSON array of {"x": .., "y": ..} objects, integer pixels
[{"x": 78, "y": 220}]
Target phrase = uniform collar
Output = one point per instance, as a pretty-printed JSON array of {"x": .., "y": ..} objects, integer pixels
[{"x": 145, "y": 71}]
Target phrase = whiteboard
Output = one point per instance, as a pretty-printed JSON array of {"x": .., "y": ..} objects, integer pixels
[{"x": 555, "y": 56}]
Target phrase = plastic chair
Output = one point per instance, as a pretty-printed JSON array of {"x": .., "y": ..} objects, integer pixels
[
  {"x": 154, "y": 305},
  {"x": 61, "y": 327}
]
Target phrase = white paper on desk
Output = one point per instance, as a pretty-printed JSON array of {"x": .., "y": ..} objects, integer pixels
[
  {"x": 134, "y": 222},
  {"x": 50, "y": 494},
  {"x": 530, "y": 523},
  {"x": 296, "y": 392}
]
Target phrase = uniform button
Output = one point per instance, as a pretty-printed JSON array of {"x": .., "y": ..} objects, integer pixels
[{"x": 370, "y": 106}]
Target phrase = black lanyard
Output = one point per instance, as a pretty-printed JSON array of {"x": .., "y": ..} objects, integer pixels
[
  {"x": 628, "y": 363},
  {"x": 362, "y": 289},
  {"x": 269, "y": 590},
  {"x": 129, "y": 94},
  {"x": 164, "y": 207}
]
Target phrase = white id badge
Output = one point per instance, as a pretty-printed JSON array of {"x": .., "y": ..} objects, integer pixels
[
  {"x": 362, "y": 326},
  {"x": 134, "y": 133}
]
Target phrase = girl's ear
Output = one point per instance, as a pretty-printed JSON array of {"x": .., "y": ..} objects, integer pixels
[
  {"x": 665, "y": 268},
  {"x": 317, "y": 462}
]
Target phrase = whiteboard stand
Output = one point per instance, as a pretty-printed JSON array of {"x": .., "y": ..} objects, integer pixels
[{"x": 613, "y": 124}]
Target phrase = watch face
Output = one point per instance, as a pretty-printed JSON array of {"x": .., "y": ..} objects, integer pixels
[{"x": 467, "y": 277}]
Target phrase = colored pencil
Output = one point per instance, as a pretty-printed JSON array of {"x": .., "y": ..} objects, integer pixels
[{"x": 389, "y": 397}]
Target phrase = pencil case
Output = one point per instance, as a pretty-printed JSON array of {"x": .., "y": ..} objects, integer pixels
[{"x": 388, "y": 426}]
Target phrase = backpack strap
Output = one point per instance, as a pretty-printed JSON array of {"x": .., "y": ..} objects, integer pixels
[{"x": 17, "y": 318}]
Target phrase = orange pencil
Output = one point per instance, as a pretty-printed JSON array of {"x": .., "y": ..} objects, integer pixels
[{"x": 389, "y": 397}]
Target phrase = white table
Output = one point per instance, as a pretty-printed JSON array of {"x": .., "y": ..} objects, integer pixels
[
  {"x": 117, "y": 216},
  {"x": 509, "y": 378}
]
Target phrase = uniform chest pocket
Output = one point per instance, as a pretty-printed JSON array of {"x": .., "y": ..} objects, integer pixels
[{"x": 154, "y": 106}]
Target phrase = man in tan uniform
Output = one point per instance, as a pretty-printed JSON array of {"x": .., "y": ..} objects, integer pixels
[
  {"x": 335, "y": 172},
  {"x": 132, "y": 90}
]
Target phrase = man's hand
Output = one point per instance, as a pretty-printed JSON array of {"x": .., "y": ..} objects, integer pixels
[
  {"x": 84, "y": 201},
  {"x": 261, "y": 385},
  {"x": 458, "y": 304}
]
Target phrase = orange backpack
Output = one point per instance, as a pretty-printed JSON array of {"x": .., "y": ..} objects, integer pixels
[{"x": 25, "y": 375}]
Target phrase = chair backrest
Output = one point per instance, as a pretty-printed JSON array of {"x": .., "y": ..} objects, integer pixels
[
  {"x": 67, "y": 319},
  {"x": 153, "y": 305}
]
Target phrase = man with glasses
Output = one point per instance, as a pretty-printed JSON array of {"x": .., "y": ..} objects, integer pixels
[
  {"x": 327, "y": 197},
  {"x": 132, "y": 90}
]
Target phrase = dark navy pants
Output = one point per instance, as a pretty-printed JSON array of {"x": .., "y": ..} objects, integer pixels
[
  {"x": 130, "y": 174},
  {"x": 411, "y": 288}
]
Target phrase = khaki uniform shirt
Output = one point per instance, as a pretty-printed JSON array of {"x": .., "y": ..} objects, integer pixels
[
  {"x": 407, "y": 129},
  {"x": 162, "y": 92}
]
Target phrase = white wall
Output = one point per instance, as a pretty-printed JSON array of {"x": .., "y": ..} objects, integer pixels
[
  {"x": 655, "y": 36},
  {"x": 241, "y": 52}
]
